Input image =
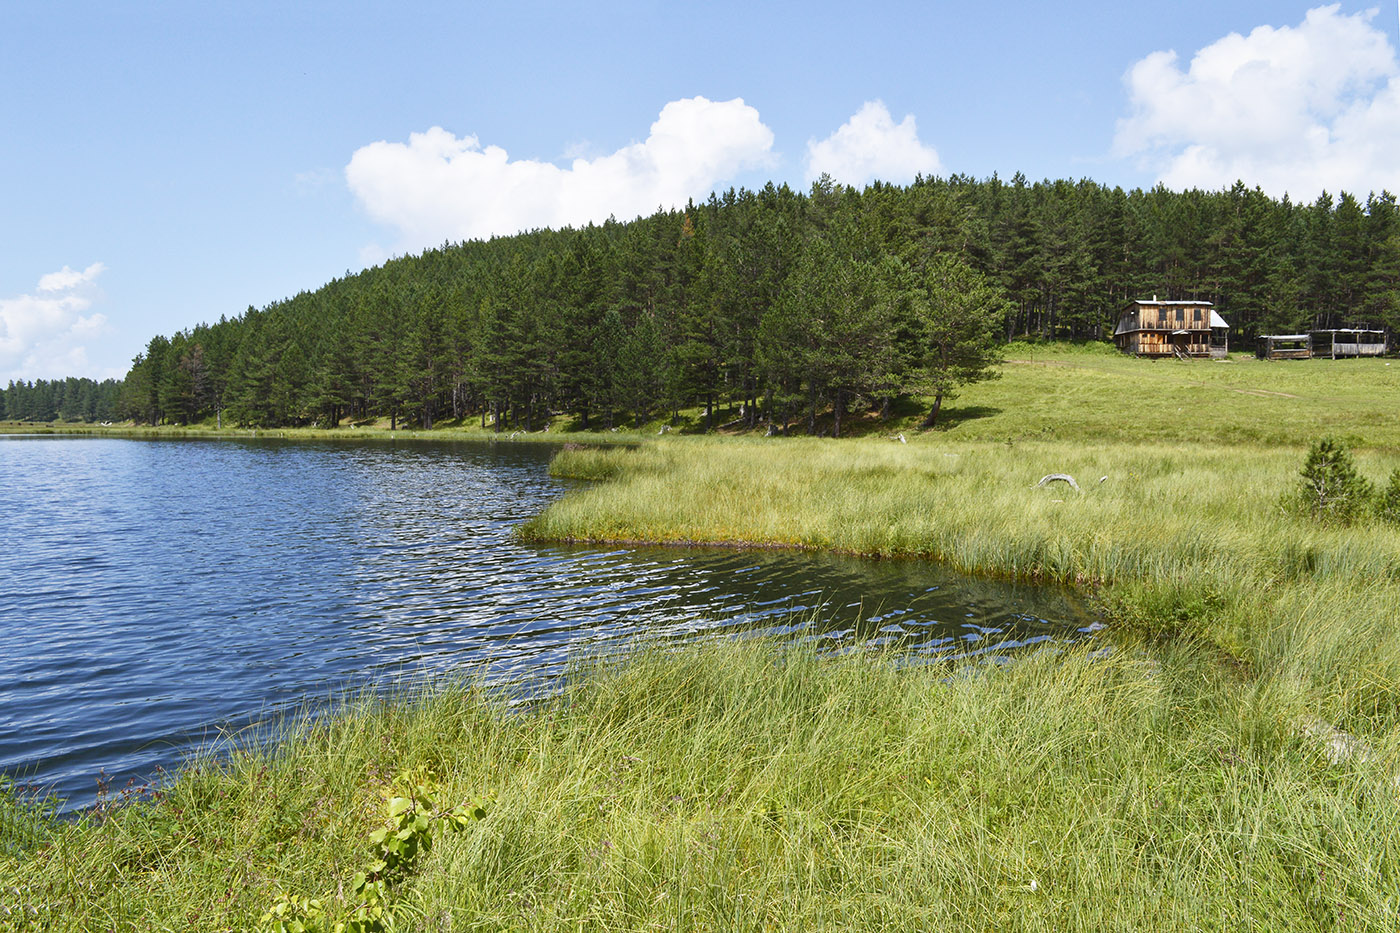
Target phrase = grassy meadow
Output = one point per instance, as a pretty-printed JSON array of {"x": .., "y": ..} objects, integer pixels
[
  {"x": 1224, "y": 758},
  {"x": 738, "y": 786},
  {"x": 1097, "y": 395}
]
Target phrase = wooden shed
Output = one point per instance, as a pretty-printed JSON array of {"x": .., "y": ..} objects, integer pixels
[
  {"x": 1185, "y": 329},
  {"x": 1345, "y": 342},
  {"x": 1285, "y": 347}
]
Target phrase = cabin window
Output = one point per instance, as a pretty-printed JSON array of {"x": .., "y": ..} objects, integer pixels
[
  {"x": 1181, "y": 315},
  {"x": 1196, "y": 315}
]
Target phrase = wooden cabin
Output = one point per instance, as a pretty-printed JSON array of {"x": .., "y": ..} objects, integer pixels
[
  {"x": 1345, "y": 342},
  {"x": 1285, "y": 347},
  {"x": 1185, "y": 329}
]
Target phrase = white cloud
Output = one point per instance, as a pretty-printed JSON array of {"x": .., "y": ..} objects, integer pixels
[
  {"x": 1297, "y": 109},
  {"x": 44, "y": 335},
  {"x": 67, "y": 279},
  {"x": 438, "y": 187},
  {"x": 870, "y": 146}
]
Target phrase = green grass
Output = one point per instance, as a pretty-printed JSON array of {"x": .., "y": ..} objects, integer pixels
[
  {"x": 1099, "y": 396},
  {"x": 1177, "y": 541},
  {"x": 736, "y": 786}
]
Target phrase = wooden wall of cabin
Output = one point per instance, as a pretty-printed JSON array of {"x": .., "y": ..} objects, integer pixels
[
  {"x": 1159, "y": 343},
  {"x": 1168, "y": 318},
  {"x": 1148, "y": 343}
]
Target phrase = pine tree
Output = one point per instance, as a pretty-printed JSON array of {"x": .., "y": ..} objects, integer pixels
[
  {"x": 1332, "y": 491},
  {"x": 958, "y": 313}
]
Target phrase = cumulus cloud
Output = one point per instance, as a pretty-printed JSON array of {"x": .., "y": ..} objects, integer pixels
[
  {"x": 871, "y": 146},
  {"x": 44, "y": 335},
  {"x": 66, "y": 279},
  {"x": 1292, "y": 109},
  {"x": 440, "y": 187}
]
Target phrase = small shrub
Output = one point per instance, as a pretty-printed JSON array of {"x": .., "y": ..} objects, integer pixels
[
  {"x": 1388, "y": 505},
  {"x": 1332, "y": 491},
  {"x": 405, "y": 835}
]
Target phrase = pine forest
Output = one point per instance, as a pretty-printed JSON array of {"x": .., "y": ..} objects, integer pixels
[{"x": 779, "y": 305}]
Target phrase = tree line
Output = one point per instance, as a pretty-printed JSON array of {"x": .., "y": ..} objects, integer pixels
[
  {"x": 71, "y": 399},
  {"x": 782, "y": 305}
]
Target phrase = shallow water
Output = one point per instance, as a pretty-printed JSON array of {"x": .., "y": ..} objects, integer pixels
[{"x": 156, "y": 593}]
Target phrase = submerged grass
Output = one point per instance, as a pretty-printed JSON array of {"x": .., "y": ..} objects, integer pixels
[{"x": 735, "y": 785}]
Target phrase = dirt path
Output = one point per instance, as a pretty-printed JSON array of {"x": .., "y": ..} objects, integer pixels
[{"x": 1265, "y": 393}]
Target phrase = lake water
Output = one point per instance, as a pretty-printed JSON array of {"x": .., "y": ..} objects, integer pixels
[{"x": 154, "y": 594}]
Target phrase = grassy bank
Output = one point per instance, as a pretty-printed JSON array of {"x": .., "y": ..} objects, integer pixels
[
  {"x": 1176, "y": 540},
  {"x": 374, "y": 432},
  {"x": 731, "y": 787}
]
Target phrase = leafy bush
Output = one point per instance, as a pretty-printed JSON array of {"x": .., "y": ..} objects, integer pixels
[
  {"x": 396, "y": 846},
  {"x": 1332, "y": 491}
]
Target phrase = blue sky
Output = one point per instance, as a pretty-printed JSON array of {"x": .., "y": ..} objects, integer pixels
[{"x": 165, "y": 164}]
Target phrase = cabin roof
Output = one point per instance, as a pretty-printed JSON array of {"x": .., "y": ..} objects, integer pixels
[
  {"x": 1285, "y": 336},
  {"x": 1154, "y": 303}
]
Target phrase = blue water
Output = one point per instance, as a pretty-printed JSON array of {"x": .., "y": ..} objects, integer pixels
[{"x": 155, "y": 595}]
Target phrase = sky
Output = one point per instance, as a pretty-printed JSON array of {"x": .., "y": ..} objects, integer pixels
[{"x": 166, "y": 164}]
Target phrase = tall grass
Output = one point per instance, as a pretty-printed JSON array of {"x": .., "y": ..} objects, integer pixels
[
  {"x": 1176, "y": 540},
  {"x": 734, "y": 785},
  {"x": 1145, "y": 510}
]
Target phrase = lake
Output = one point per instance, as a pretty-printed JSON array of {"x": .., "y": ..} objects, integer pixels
[{"x": 158, "y": 594}]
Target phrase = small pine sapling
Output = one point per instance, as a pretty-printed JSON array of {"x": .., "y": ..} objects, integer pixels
[
  {"x": 1388, "y": 505},
  {"x": 1332, "y": 491}
]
